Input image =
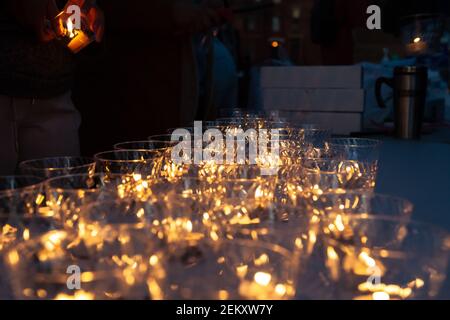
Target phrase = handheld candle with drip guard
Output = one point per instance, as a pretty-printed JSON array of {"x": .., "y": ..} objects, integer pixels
[{"x": 74, "y": 29}]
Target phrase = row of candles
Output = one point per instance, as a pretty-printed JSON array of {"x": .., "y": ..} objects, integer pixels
[{"x": 139, "y": 225}]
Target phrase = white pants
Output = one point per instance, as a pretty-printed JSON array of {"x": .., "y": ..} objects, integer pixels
[{"x": 35, "y": 129}]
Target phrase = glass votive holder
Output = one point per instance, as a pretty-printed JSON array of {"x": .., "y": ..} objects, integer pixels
[
  {"x": 128, "y": 162},
  {"x": 248, "y": 150},
  {"x": 60, "y": 166},
  {"x": 117, "y": 265},
  {"x": 365, "y": 151},
  {"x": 144, "y": 145},
  {"x": 225, "y": 213},
  {"x": 315, "y": 137},
  {"x": 188, "y": 129},
  {"x": 354, "y": 202},
  {"x": 66, "y": 195},
  {"x": 260, "y": 190},
  {"x": 132, "y": 187},
  {"x": 380, "y": 258},
  {"x": 112, "y": 212},
  {"x": 18, "y": 183},
  {"x": 321, "y": 175},
  {"x": 22, "y": 217},
  {"x": 21, "y": 194},
  {"x": 311, "y": 152},
  {"x": 305, "y": 135},
  {"x": 19, "y": 227},
  {"x": 29, "y": 200},
  {"x": 186, "y": 185},
  {"x": 173, "y": 139},
  {"x": 229, "y": 270},
  {"x": 272, "y": 221},
  {"x": 288, "y": 188},
  {"x": 177, "y": 218},
  {"x": 244, "y": 123},
  {"x": 284, "y": 225},
  {"x": 247, "y": 171}
]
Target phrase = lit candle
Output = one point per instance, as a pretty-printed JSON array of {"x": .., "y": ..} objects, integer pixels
[
  {"x": 79, "y": 39},
  {"x": 78, "y": 295},
  {"x": 418, "y": 45}
]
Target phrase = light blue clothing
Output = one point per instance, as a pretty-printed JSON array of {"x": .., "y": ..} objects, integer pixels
[{"x": 225, "y": 78}]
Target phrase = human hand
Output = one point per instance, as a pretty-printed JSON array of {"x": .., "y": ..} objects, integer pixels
[{"x": 93, "y": 15}]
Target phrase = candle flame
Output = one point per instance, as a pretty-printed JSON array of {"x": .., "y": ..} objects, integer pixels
[
  {"x": 380, "y": 296},
  {"x": 70, "y": 28},
  {"x": 263, "y": 278},
  {"x": 79, "y": 295}
]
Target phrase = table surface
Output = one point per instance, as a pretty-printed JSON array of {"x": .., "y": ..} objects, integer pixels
[{"x": 420, "y": 171}]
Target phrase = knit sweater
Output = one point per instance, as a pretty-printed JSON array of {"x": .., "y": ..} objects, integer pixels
[{"x": 29, "y": 68}]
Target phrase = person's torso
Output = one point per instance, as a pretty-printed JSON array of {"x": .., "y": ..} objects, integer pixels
[{"x": 29, "y": 68}]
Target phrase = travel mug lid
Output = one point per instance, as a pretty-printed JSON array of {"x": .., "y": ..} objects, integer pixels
[{"x": 410, "y": 70}]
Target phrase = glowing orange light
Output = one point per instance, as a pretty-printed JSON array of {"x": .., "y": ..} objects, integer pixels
[{"x": 275, "y": 44}]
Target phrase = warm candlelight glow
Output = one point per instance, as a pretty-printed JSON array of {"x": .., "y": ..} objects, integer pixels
[
  {"x": 75, "y": 39},
  {"x": 263, "y": 278},
  {"x": 215, "y": 230},
  {"x": 79, "y": 42},
  {"x": 70, "y": 29},
  {"x": 78, "y": 295}
]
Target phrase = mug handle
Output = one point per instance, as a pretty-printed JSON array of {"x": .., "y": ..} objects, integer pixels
[{"x": 378, "y": 86}]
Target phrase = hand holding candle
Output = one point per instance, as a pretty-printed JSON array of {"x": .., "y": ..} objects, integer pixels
[
  {"x": 80, "y": 23},
  {"x": 94, "y": 16}
]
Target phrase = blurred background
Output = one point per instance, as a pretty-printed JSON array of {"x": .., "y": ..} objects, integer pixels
[{"x": 330, "y": 32}]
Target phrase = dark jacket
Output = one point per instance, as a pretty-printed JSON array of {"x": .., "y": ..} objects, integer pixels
[
  {"x": 29, "y": 68},
  {"x": 140, "y": 81}
]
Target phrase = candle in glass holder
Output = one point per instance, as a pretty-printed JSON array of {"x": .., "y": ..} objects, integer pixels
[
  {"x": 76, "y": 39},
  {"x": 417, "y": 46}
]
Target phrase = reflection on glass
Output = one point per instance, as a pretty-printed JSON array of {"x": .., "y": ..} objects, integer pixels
[
  {"x": 229, "y": 270},
  {"x": 381, "y": 258},
  {"x": 54, "y": 167}
]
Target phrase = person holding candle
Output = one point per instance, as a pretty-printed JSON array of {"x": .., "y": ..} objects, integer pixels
[{"x": 37, "y": 116}]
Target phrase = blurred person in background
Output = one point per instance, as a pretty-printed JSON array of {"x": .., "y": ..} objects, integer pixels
[
  {"x": 144, "y": 79},
  {"x": 37, "y": 116},
  {"x": 216, "y": 69}
]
